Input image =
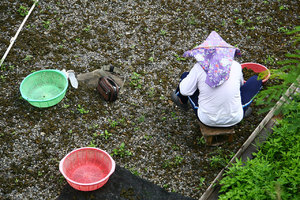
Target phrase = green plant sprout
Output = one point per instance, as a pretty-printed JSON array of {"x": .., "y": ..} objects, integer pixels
[
  {"x": 283, "y": 30},
  {"x": 78, "y": 40},
  {"x": 40, "y": 173},
  {"x": 178, "y": 58},
  {"x": 239, "y": 21},
  {"x": 95, "y": 135},
  {"x": 134, "y": 171},
  {"x": 66, "y": 105},
  {"x": 173, "y": 114},
  {"x": 141, "y": 119},
  {"x": 135, "y": 80},
  {"x": 28, "y": 58},
  {"x": 202, "y": 182},
  {"x": 121, "y": 151},
  {"x": 151, "y": 59},
  {"x": 163, "y": 32},
  {"x": 96, "y": 126},
  {"x": 4, "y": 67},
  {"x": 192, "y": 21},
  {"x": 2, "y": 77},
  {"x": 201, "y": 140},
  {"x": 223, "y": 23},
  {"x": 283, "y": 8},
  {"x": 112, "y": 123},
  {"x": 46, "y": 24},
  {"x": 173, "y": 162},
  {"x": 106, "y": 134},
  {"x": 162, "y": 97},
  {"x": 218, "y": 161},
  {"x": 23, "y": 10},
  {"x": 82, "y": 110},
  {"x": 87, "y": 29},
  {"x": 251, "y": 28},
  {"x": 178, "y": 160},
  {"x": 147, "y": 137},
  {"x": 122, "y": 121},
  {"x": 151, "y": 92},
  {"x": 92, "y": 144},
  {"x": 270, "y": 60},
  {"x": 175, "y": 147}
]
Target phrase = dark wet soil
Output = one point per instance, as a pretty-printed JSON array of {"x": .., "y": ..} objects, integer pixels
[{"x": 143, "y": 37}]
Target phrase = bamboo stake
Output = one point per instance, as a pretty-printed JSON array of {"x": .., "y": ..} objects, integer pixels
[{"x": 13, "y": 39}]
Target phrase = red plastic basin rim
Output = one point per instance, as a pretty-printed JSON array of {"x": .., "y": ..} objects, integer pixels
[
  {"x": 87, "y": 184},
  {"x": 262, "y": 66}
]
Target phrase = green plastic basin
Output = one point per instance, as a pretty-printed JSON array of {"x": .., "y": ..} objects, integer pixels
[{"x": 44, "y": 88}]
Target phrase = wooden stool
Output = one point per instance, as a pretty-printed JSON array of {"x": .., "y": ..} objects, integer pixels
[{"x": 215, "y": 136}]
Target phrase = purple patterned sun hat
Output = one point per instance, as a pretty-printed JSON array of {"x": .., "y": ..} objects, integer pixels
[{"x": 215, "y": 56}]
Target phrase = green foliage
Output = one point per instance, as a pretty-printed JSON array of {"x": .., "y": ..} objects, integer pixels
[
  {"x": 23, "y": 10},
  {"x": 240, "y": 21},
  {"x": 92, "y": 144},
  {"x": 82, "y": 110},
  {"x": 121, "y": 151},
  {"x": 151, "y": 59},
  {"x": 147, "y": 137},
  {"x": 173, "y": 162},
  {"x": 133, "y": 170},
  {"x": 163, "y": 32},
  {"x": 275, "y": 171},
  {"x": 202, "y": 183},
  {"x": 135, "y": 80},
  {"x": 192, "y": 20},
  {"x": 113, "y": 123},
  {"x": 28, "y": 58},
  {"x": 106, "y": 134},
  {"x": 201, "y": 140},
  {"x": 218, "y": 161},
  {"x": 270, "y": 60},
  {"x": 151, "y": 92},
  {"x": 4, "y": 67},
  {"x": 77, "y": 40},
  {"x": 287, "y": 75},
  {"x": 141, "y": 119},
  {"x": 2, "y": 77},
  {"x": 178, "y": 58},
  {"x": 46, "y": 24},
  {"x": 87, "y": 29}
]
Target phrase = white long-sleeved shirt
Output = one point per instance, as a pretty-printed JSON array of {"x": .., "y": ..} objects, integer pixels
[{"x": 220, "y": 106}]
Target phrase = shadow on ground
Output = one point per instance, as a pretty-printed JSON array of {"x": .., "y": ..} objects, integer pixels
[{"x": 122, "y": 185}]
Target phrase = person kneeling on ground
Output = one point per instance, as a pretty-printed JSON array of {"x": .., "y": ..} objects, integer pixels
[{"x": 215, "y": 86}]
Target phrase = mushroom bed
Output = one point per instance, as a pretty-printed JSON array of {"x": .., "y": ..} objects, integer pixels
[{"x": 143, "y": 130}]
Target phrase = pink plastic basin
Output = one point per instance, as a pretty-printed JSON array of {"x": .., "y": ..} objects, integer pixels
[
  {"x": 87, "y": 168},
  {"x": 257, "y": 68}
]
